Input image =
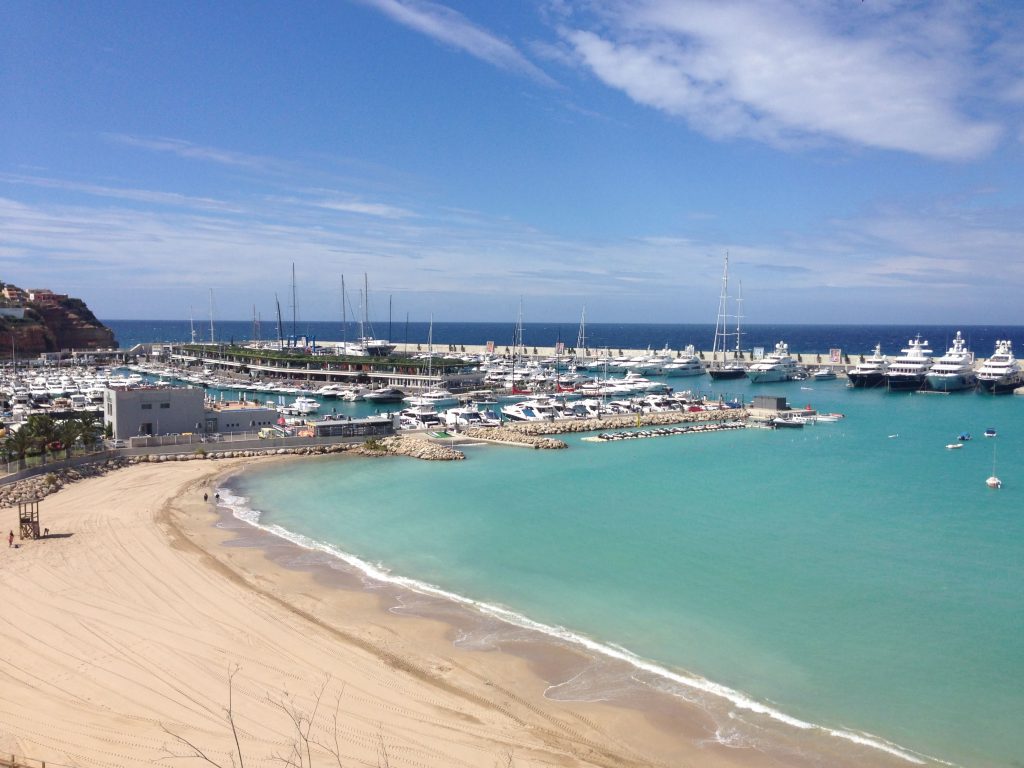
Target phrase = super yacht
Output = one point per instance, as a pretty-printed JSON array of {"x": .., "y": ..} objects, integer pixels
[
  {"x": 908, "y": 371},
  {"x": 1001, "y": 373},
  {"x": 871, "y": 371},
  {"x": 777, "y": 366},
  {"x": 954, "y": 370}
]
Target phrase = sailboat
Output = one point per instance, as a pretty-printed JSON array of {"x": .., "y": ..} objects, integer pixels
[
  {"x": 435, "y": 395},
  {"x": 370, "y": 346},
  {"x": 518, "y": 352},
  {"x": 726, "y": 369},
  {"x": 993, "y": 481}
]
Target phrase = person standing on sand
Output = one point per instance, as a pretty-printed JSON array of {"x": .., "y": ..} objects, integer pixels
[
  {"x": 205, "y": 497},
  {"x": 10, "y": 539}
]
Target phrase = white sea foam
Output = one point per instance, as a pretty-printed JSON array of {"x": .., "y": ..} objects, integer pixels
[{"x": 239, "y": 506}]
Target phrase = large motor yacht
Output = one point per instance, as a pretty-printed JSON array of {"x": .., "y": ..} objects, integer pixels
[
  {"x": 870, "y": 372},
  {"x": 954, "y": 370},
  {"x": 687, "y": 364},
  {"x": 777, "y": 366},
  {"x": 1001, "y": 373},
  {"x": 907, "y": 372}
]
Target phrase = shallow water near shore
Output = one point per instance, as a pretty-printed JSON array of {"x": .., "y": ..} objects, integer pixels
[{"x": 856, "y": 575}]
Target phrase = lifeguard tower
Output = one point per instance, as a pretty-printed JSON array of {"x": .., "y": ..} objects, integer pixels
[{"x": 28, "y": 519}]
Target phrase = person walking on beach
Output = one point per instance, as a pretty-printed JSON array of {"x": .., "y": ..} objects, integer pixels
[
  {"x": 205, "y": 497},
  {"x": 10, "y": 539}
]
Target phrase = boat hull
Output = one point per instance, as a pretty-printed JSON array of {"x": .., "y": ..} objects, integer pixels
[
  {"x": 866, "y": 380},
  {"x": 904, "y": 383},
  {"x": 726, "y": 373},
  {"x": 954, "y": 383},
  {"x": 999, "y": 386},
  {"x": 767, "y": 377}
]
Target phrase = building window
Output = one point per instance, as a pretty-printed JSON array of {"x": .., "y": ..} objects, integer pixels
[
  {"x": 147, "y": 406},
  {"x": 165, "y": 405}
]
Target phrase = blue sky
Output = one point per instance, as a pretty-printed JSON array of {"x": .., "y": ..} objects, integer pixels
[{"x": 859, "y": 161}]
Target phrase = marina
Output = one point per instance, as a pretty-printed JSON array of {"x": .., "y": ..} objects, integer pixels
[{"x": 827, "y": 433}]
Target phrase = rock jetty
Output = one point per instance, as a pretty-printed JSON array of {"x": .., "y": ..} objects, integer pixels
[
  {"x": 517, "y": 431},
  {"x": 513, "y": 435}
]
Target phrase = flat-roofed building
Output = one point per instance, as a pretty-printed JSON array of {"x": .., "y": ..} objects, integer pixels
[{"x": 154, "y": 411}]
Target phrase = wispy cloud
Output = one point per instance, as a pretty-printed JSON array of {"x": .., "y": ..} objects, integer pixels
[
  {"x": 190, "y": 151},
  {"x": 363, "y": 208},
  {"x": 123, "y": 193},
  {"x": 452, "y": 28},
  {"x": 789, "y": 71}
]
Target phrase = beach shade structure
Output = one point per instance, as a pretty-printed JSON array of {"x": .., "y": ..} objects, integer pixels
[{"x": 28, "y": 519}]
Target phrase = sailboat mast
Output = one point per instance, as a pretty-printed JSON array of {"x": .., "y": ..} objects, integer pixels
[
  {"x": 280, "y": 330},
  {"x": 720, "y": 330},
  {"x": 738, "y": 355},
  {"x": 295, "y": 306},
  {"x": 211, "y": 316},
  {"x": 581, "y": 337},
  {"x": 344, "y": 319},
  {"x": 191, "y": 324}
]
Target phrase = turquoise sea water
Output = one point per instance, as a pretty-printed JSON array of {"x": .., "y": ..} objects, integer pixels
[{"x": 856, "y": 575}]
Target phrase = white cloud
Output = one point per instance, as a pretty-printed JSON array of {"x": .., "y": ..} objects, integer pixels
[
  {"x": 452, "y": 28},
  {"x": 785, "y": 71}
]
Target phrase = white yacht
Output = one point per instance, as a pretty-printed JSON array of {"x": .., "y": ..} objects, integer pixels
[
  {"x": 687, "y": 364},
  {"x": 870, "y": 372},
  {"x": 954, "y": 370},
  {"x": 531, "y": 410},
  {"x": 907, "y": 372},
  {"x": 1001, "y": 373},
  {"x": 777, "y": 366},
  {"x": 438, "y": 398},
  {"x": 303, "y": 406},
  {"x": 825, "y": 373}
]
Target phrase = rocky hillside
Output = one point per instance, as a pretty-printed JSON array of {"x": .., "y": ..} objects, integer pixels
[{"x": 48, "y": 322}]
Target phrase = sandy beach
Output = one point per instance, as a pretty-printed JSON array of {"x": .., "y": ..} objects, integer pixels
[{"x": 129, "y": 630}]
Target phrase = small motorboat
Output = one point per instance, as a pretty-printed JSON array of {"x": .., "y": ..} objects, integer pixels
[
  {"x": 951, "y": 446},
  {"x": 994, "y": 482},
  {"x": 963, "y": 437},
  {"x": 990, "y": 432}
]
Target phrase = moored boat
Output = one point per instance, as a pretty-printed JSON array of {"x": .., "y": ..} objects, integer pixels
[
  {"x": 1001, "y": 373},
  {"x": 908, "y": 371},
  {"x": 870, "y": 372},
  {"x": 777, "y": 366},
  {"x": 953, "y": 371}
]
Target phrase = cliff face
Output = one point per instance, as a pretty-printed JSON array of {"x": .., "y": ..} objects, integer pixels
[{"x": 52, "y": 323}]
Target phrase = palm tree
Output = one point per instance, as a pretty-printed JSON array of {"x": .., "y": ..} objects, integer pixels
[
  {"x": 19, "y": 443},
  {"x": 69, "y": 431},
  {"x": 88, "y": 429},
  {"x": 43, "y": 428}
]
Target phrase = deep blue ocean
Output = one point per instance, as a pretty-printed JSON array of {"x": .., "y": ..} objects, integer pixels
[
  {"x": 858, "y": 577},
  {"x": 852, "y": 339}
]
